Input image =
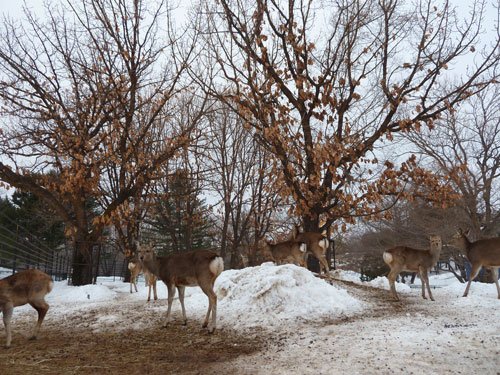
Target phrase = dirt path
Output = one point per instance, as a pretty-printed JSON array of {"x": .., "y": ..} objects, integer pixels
[
  {"x": 177, "y": 350},
  {"x": 76, "y": 346}
]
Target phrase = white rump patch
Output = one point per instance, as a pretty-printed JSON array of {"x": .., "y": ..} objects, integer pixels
[
  {"x": 131, "y": 266},
  {"x": 387, "y": 257},
  {"x": 303, "y": 247},
  {"x": 323, "y": 243},
  {"x": 216, "y": 266}
]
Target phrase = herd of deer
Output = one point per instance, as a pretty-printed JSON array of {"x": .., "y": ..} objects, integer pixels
[{"x": 202, "y": 267}]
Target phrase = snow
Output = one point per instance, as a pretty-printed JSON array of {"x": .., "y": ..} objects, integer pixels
[
  {"x": 322, "y": 328},
  {"x": 281, "y": 295}
]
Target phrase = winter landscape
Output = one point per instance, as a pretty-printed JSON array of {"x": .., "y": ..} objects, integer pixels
[
  {"x": 271, "y": 320},
  {"x": 263, "y": 130}
]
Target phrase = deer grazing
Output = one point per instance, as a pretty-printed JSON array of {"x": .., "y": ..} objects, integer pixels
[
  {"x": 316, "y": 244},
  {"x": 290, "y": 251},
  {"x": 135, "y": 267},
  {"x": 403, "y": 258},
  {"x": 193, "y": 268},
  {"x": 481, "y": 253},
  {"x": 28, "y": 286}
]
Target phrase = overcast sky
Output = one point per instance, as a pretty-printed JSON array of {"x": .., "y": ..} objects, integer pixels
[{"x": 13, "y": 8}]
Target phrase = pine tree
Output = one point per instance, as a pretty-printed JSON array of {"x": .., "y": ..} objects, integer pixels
[{"x": 180, "y": 217}]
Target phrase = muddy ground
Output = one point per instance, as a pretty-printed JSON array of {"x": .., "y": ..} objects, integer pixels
[{"x": 175, "y": 350}]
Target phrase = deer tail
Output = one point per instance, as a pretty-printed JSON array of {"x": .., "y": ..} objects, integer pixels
[{"x": 216, "y": 266}]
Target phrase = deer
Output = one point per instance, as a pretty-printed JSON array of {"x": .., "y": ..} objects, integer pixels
[
  {"x": 290, "y": 251},
  {"x": 316, "y": 244},
  {"x": 27, "y": 286},
  {"x": 135, "y": 267},
  {"x": 192, "y": 268},
  {"x": 481, "y": 253},
  {"x": 403, "y": 258}
]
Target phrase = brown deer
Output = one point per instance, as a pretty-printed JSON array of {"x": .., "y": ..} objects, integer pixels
[
  {"x": 403, "y": 258},
  {"x": 289, "y": 251},
  {"x": 192, "y": 268},
  {"x": 135, "y": 267},
  {"x": 481, "y": 253},
  {"x": 28, "y": 286},
  {"x": 316, "y": 244}
]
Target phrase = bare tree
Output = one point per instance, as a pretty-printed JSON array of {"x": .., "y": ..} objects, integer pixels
[
  {"x": 239, "y": 177},
  {"x": 88, "y": 94},
  {"x": 466, "y": 145},
  {"x": 325, "y": 84}
]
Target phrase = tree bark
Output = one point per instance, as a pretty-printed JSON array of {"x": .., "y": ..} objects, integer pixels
[{"x": 82, "y": 264}]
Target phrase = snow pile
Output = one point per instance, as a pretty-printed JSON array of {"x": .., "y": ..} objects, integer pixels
[
  {"x": 270, "y": 295},
  {"x": 62, "y": 293},
  {"x": 4, "y": 272}
]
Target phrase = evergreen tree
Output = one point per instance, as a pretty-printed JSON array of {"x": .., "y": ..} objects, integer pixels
[
  {"x": 180, "y": 218},
  {"x": 36, "y": 217}
]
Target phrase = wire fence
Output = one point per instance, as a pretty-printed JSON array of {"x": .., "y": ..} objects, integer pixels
[{"x": 21, "y": 250}]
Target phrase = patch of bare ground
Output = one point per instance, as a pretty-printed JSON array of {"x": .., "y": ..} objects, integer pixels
[
  {"x": 380, "y": 301},
  {"x": 173, "y": 350},
  {"x": 82, "y": 343}
]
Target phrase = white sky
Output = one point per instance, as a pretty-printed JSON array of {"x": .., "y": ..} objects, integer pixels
[{"x": 14, "y": 9}]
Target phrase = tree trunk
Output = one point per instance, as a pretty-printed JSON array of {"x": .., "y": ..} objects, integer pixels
[
  {"x": 82, "y": 265},
  {"x": 311, "y": 224}
]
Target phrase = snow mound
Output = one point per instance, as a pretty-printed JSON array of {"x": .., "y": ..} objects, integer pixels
[
  {"x": 63, "y": 293},
  {"x": 270, "y": 295}
]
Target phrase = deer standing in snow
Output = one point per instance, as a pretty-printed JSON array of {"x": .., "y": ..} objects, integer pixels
[
  {"x": 178, "y": 270},
  {"x": 28, "y": 286},
  {"x": 481, "y": 253},
  {"x": 290, "y": 251},
  {"x": 135, "y": 267},
  {"x": 403, "y": 258},
  {"x": 316, "y": 244}
]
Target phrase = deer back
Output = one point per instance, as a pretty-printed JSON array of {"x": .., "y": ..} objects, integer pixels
[
  {"x": 290, "y": 249},
  {"x": 411, "y": 259},
  {"x": 485, "y": 251},
  {"x": 186, "y": 268},
  {"x": 316, "y": 242},
  {"x": 24, "y": 287}
]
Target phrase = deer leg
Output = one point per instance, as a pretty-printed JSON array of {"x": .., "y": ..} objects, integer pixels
[
  {"x": 424, "y": 275},
  {"x": 494, "y": 271},
  {"x": 212, "y": 307},
  {"x": 154, "y": 290},
  {"x": 41, "y": 307},
  {"x": 132, "y": 283},
  {"x": 211, "y": 328},
  {"x": 323, "y": 262},
  {"x": 422, "y": 280},
  {"x": 473, "y": 274},
  {"x": 171, "y": 295},
  {"x": 7, "y": 310},
  {"x": 393, "y": 274},
  {"x": 149, "y": 292},
  {"x": 181, "y": 290}
]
